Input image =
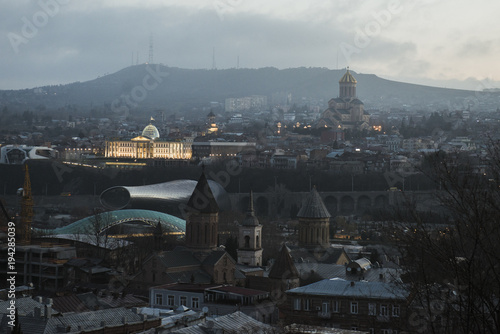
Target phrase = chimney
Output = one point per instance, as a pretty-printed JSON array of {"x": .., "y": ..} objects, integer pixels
[
  {"x": 50, "y": 301},
  {"x": 39, "y": 299},
  {"x": 37, "y": 312},
  {"x": 352, "y": 283},
  {"x": 48, "y": 311}
]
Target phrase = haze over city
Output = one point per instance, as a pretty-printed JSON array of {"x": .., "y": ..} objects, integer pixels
[
  {"x": 237, "y": 166},
  {"x": 450, "y": 44}
]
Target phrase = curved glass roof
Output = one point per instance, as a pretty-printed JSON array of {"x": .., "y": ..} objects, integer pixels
[
  {"x": 111, "y": 218},
  {"x": 151, "y": 131}
]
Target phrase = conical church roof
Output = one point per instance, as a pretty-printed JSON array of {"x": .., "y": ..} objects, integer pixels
[
  {"x": 202, "y": 199},
  {"x": 283, "y": 267},
  {"x": 314, "y": 207}
]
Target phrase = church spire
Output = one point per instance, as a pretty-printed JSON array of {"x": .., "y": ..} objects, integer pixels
[{"x": 250, "y": 219}]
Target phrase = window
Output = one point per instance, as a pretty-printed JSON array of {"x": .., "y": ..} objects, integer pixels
[
  {"x": 296, "y": 304},
  {"x": 372, "y": 309},
  {"x": 354, "y": 307},
  {"x": 247, "y": 241},
  {"x": 383, "y": 310},
  {"x": 335, "y": 306},
  {"x": 195, "y": 302},
  {"x": 395, "y": 310},
  {"x": 183, "y": 300},
  {"x": 170, "y": 300},
  {"x": 307, "y": 304},
  {"x": 159, "y": 299},
  {"x": 325, "y": 307}
]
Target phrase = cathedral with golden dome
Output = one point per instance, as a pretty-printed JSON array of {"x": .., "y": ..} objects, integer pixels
[{"x": 345, "y": 111}]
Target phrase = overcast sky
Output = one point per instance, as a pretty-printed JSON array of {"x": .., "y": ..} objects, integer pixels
[{"x": 451, "y": 42}]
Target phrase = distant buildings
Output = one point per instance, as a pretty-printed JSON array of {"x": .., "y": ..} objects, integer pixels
[
  {"x": 42, "y": 265},
  {"x": 220, "y": 149},
  {"x": 256, "y": 102},
  {"x": 148, "y": 146},
  {"x": 345, "y": 111},
  {"x": 18, "y": 154},
  {"x": 376, "y": 307}
]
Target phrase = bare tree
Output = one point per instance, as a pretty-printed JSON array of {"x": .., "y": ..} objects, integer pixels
[
  {"x": 98, "y": 230},
  {"x": 454, "y": 267}
]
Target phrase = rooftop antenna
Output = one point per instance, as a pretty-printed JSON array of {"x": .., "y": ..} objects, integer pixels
[
  {"x": 150, "y": 49},
  {"x": 137, "y": 58},
  {"x": 213, "y": 60},
  {"x": 238, "y": 62},
  {"x": 132, "y": 59}
]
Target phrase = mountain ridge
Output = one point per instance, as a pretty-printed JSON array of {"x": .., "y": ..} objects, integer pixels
[{"x": 159, "y": 86}]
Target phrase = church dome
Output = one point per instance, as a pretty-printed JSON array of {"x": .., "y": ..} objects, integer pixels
[
  {"x": 151, "y": 131},
  {"x": 347, "y": 78}
]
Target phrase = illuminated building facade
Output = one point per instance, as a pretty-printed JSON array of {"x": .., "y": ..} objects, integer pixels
[{"x": 148, "y": 146}]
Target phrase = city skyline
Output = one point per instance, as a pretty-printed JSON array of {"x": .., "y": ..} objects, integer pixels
[{"x": 56, "y": 42}]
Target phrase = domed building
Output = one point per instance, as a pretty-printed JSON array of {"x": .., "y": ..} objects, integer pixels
[
  {"x": 345, "y": 111},
  {"x": 151, "y": 131},
  {"x": 148, "y": 146}
]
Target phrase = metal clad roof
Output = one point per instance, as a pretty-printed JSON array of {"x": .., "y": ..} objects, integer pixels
[
  {"x": 172, "y": 192},
  {"x": 202, "y": 199},
  {"x": 91, "y": 320},
  {"x": 24, "y": 306},
  {"x": 314, "y": 207},
  {"x": 342, "y": 288},
  {"x": 237, "y": 322}
]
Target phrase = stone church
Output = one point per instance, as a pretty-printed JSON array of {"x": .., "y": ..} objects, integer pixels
[
  {"x": 200, "y": 261},
  {"x": 345, "y": 111}
]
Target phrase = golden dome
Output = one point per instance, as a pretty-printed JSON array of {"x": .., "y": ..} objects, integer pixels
[{"x": 348, "y": 78}]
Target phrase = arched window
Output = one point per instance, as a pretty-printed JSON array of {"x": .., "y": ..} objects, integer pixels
[
  {"x": 257, "y": 242},
  {"x": 247, "y": 241}
]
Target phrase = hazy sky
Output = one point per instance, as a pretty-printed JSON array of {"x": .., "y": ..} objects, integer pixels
[{"x": 60, "y": 41}]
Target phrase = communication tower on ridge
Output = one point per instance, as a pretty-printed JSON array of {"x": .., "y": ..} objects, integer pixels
[{"x": 150, "y": 61}]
